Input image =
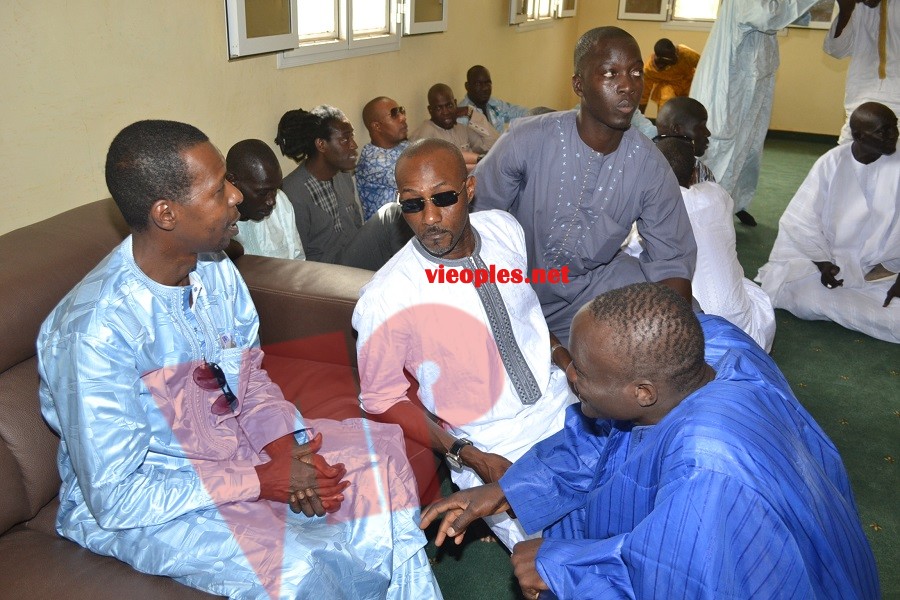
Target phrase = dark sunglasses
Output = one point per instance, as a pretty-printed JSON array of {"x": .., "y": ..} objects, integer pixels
[
  {"x": 209, "y": 376},
  {"x": 397, "y": 111},
  {"x": 441, "y": 199},
  {"x": 663, "y": 136}
]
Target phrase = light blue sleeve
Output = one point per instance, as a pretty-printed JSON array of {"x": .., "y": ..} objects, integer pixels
[
  {"x": 643, "y": 124},
  {"x": 771, "y": 15},
  {"x": 106, "y": 433}
]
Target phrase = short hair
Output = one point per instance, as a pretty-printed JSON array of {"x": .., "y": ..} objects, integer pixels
[
  {"x": 657, "y": 331},
  {"x": 664, "y": 46},
  {"x": 145, "y": 163},
  {"x": 867, "y": 113},
  {"x": 429, "y": 145},
  {"x": 298, "y": 130},
  {"x": 439, "y": 88},
  {"x": 680, "y": 110},
  {"x": 475, "y": 69},
  {"x": 680, "y": 154},
  {"x": 368, "y": 112},
  {"x": 248, "y": 157},
  {"x": 587, "y": 42}
]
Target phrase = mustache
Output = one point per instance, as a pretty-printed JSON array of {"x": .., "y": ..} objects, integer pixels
[{"x": 434, "y": 231}]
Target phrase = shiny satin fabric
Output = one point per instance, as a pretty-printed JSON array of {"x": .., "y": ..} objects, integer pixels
[{"x": 150, "y": 475}]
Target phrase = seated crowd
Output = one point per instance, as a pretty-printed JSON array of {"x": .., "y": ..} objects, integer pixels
[{"x": 619, "y": 424}]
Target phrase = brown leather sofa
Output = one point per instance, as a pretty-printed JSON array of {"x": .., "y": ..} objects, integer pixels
[{"x": 304, "y": 310}]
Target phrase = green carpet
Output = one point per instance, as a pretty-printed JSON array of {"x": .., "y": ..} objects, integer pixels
[{"x": 848, "y": 381}]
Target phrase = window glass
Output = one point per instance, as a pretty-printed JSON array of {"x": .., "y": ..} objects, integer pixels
[
  {"x": 370, "y": 17},
  {"x": 318, "y": 19},
  {"x": 695, "y": 10}
]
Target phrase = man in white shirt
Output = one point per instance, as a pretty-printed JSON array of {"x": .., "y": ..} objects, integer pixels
[
  {"x": 479, "y": 88},
  {"x": 481, "y": 354},
  {"x": 719, "y": 284},
  {"x": 870, "y": 35},
  {"x": 474, "y": 138},
  {"x": 845, "y": 220},
  {"x": 267, "y": 226}
]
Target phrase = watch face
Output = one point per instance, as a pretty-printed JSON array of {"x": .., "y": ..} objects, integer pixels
[{"x": 453, "y": 462}]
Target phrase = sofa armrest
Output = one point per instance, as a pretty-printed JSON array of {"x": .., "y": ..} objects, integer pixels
[{"x": 304, "y": 307}]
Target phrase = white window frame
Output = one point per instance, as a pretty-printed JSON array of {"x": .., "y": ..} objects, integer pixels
[
  {"x": 523, "y": 13},
  {"x": 240, "y": 45},
  {"x": 669, "y": 21},
  {"x": 564, "y": 13},
  {"x": 346, "y": 46},
  {"x": 413, "y": 27},
  {"x": 662, "y": 15},
  {"x": 665, "y": 14}
]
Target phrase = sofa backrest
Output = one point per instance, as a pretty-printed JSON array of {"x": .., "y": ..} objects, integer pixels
[
  {"x": 304, "y": 311},
  {"x": 41, "y": 263}
]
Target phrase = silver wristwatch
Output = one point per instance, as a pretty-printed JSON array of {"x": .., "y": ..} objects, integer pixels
[{"x": 452, "y": 455}]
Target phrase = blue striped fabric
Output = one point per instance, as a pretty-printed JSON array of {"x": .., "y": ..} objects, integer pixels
[{"x": 737, "y": 493}]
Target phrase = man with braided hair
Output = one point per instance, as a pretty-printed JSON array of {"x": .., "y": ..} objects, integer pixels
[
  {"x": 323, "y": 193},
  {"x": 688, "y": 466}
]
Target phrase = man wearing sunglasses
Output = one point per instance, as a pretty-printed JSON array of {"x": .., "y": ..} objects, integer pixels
[
  {"x": 386, "y": 122},
  {"x": 480, "y": 352},
  {"x": 178, "y": 454}
]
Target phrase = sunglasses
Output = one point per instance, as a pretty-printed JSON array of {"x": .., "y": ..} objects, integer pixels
[
  {"x": 441, "y": 199},
  {"x": 209, "y": 376},
  {"x": 397, "y": 111},
  {"x": 663, "y": 136}
]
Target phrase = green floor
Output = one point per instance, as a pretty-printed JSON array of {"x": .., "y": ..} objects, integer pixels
[{"x": 848, "y": 381}]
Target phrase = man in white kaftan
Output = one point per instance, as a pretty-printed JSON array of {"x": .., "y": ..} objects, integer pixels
[
  {"x": 276, "y": 235},
  {"x": 481, "y": 354},
  {"x": 268, "y": 226},
  {"x": 735, "y": 81},
  {"x": 719, "y": 284},
  {"x": 178, "y": 455},
  {"x": 873, "y": 75},
  {"x": 844, "y": 220}
]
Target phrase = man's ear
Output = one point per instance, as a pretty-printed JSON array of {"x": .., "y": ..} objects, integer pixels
[
  {"x": 231, "y": 178},
  {"x": 163, "y": 214},
  {"x": 470, "y": 189},
  {"x": 320, "y": 145},
  {"x": 577, "y": 82},
  {"x": 677, "y": 129},
  {"x": 645, "y": 393}
]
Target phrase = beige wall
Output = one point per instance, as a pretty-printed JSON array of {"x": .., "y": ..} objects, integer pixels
[
  {"x": 74, "y": 73},
  {"x": 809, "y": 88}
]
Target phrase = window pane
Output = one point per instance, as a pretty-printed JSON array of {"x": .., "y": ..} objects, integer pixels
[
  {"x": 544, "y": 8},
  {"x": 318, "y": 19},
  {"x": 268, "y": 17},
  {"x": 539, "y": 9},
  {"x": 695, "y": 9},
  {"x": 370, "y": 16}
]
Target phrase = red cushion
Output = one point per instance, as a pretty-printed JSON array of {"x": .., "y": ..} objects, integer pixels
[{"x": 323, "y": 390}]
